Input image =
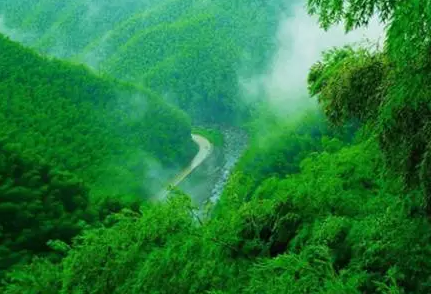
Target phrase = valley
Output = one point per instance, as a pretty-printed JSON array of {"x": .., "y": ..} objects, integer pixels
[{"x": 217, "y": 147}]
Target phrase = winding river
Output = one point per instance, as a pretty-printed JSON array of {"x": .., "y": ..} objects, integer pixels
[
  {"x": 205, "y": 150},
  {"x": 211, "y": 170}
]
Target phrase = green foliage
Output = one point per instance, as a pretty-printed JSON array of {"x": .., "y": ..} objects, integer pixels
[
  {"x": 139, "y": 252},
  {"x": 41, "y": 276},
  {"x": 66, "y": 134},
  {"x": 170, "y": 45},
  {"x": 37, "y": 204},
  {"x": 348, "y": 83},
  {"x": 336, "y": 226},
  {"x": 212, "y": 134},
  {"x": 277, "y": 149},
  {"x": 198, "y": 68},
  {"x": 354, "y": 13},
  {"x": 309, "y": 272},
  {"x": 87, "y": 124},
  {"x": 309, "y": 209},
  {"x": 390, "y": 89}
]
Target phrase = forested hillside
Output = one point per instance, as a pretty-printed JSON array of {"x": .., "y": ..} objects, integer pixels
[
  {"x": 334, "y": 200},
  {"x": 87, "y": 124},
  {"x": 66, "y": 134},
  {"x": 190, "y": 51}
]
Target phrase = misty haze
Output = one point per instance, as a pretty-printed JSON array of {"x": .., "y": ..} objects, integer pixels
[{"x": 218, "y": 147}]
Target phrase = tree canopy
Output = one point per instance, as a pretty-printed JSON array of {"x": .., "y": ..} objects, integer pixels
[
  {"x": 191, "y": 51},
  {"x": 336, "y": 201}
]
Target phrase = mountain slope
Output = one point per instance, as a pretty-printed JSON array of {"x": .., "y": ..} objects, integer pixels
[
  {"x": 190, "y": 51},
  {"x": 97, "y": 127}
]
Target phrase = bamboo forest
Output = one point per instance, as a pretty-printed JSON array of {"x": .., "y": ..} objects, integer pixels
[{"x": 215, "y": 146}]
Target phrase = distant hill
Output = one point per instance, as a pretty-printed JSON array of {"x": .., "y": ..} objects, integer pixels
[{"x": 192, "y": 52}]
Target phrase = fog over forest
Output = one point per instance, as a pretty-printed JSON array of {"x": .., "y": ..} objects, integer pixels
[{"x": 218, "y": 147}]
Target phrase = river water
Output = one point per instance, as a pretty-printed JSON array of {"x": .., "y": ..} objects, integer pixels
[
  {"x": 207, "y": 182},
  {"x": 235, "y": 143}
]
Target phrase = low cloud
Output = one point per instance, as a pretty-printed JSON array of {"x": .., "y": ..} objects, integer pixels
[
  {"x": 300, "y": 44},
  {"x": 7, "y": 31}
]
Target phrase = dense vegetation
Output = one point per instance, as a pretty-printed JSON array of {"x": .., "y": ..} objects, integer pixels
[
  {"x": 333, "y": 202},
  {"x": 84, "y": 123},
  {"x": 66, "y": 135},
  {"x": 37, "y": 204},
  {"x": 190, "y": 51}
]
